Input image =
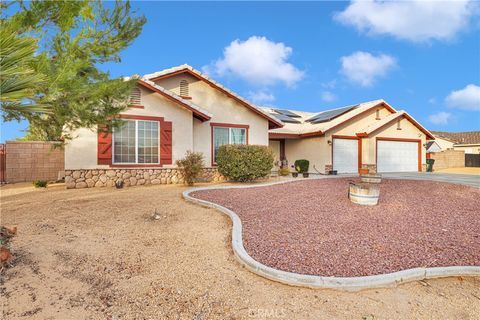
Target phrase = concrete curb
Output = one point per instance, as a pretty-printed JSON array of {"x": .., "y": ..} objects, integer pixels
[{"x": 311, "y": 281}]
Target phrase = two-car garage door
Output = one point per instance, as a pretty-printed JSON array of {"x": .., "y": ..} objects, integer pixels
[
  {"x": 392, "y": 155},
  {"x": 397, "y": 156}
]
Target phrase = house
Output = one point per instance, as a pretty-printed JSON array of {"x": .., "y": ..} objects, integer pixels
[
  {"x": 180, "y": 109},
  {"x": 466, "y": 141},
  {"x": 171, "y": 112},
  {"x": 370, "y": 135}
]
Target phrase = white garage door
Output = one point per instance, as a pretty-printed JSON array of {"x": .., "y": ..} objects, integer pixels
[
  {"x": 397, "y": 156},
  {"x": 345, "y": 155}
]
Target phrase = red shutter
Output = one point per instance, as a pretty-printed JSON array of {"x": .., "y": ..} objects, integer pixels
[
  {"x": 104, "y": 150},
  {"x": 165, "y": 142}
]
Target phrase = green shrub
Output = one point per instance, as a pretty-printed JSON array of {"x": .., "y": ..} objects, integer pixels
[
  {"x": 191, "y": 166},
  {"x": 244, "y": 162},
  {"x": 284, "y": 171},
  {"x": 302, "y": 165},
  {"x": 40, "y": 183}
]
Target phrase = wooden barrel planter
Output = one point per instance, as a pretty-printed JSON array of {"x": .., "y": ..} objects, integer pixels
[
  {"x": 371, "y": 178},
  {"x": 364, "y": 193}
]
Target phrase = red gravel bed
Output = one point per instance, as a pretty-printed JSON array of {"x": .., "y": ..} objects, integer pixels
[{"x": 310, "y": 226}]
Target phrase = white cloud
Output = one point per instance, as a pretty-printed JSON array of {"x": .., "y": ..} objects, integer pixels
[
  {"x": 261, "y": 96},
  {"x": 440, "y": 118},
  {"x": 330, "y": 84},
  {"x": 416, "y": 20},
  {"x": 327, "y": 96},
  {"x": 364, "y": 68},
  {"x": 258, "y": 61},
  {"x": 432, "y": 100},
  {"x": 467, "y": 98}
]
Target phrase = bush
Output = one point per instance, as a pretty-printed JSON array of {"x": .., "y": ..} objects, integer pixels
[
  {"x": 302, "y": 165},
  {"x": 40, "y": 183},
  {"x": 284, "y": 171},
  {"x": 244, "y": 162},
  {"x": 191, "y": 166}
]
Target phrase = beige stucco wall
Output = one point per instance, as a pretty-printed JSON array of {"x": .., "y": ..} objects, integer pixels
[
  {"x": 275, "y": 146},
  {"x": 223, "y": 110},
  {"x": 443, "y": 143},
  {"x": 314, "y": 149},
  {"x": 81, "y": 151}
]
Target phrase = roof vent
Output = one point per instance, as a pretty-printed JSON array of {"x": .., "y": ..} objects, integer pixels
[
  {"x": 135, "y": 97},
  {"x": 184, "y": 88}
]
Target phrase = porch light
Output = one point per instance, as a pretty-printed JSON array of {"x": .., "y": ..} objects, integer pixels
[{"x": 329, "y": 142}]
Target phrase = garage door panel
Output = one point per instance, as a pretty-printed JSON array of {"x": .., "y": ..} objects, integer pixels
[
  {"x": 345, "y": 155},
  {"x": 397, "y": 156}
]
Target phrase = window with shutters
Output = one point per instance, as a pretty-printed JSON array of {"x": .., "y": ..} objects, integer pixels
[
  {"x": 136, "y": 142},
  {"x": 135, "y": 97},
  {"x": 184, "y": 88}
]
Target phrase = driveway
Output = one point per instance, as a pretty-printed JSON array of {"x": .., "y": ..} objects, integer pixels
[{"x": 465, "y": 179}]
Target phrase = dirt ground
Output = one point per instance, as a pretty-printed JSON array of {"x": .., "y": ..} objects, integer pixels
[
  {"x": 97, "y": 254},
  {"x": 463, "y": 170}
]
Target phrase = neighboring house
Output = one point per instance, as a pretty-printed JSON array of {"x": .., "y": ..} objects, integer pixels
[
  {"x": 469, "y": 142},
  {"x": 172, "y": 111},
  {"x": 433, "y": 146},
  {"x": 370, "y": 135},
  {"x": 181, "y": 109}
]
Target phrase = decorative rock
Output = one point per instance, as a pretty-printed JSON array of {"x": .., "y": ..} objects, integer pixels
[
  {"x": 70, "y": 185},
  {"x": 81, "y": 185},
  {"x": 174, "y": 180},
  {"x": 99, "y": 184},
  {"x": 133, "y": 181},
  {"x": 111, "y": 173},
  {"x": 163, "y": 180},
  {"x": 155, "y": 181},
  {"x": 76, "y": 174},
  {"x": 95, "y": 178},
  {"x": 88, "y": 174},
  {"x": 95, "y": 172},
  {"x": 126, "y": 176},
  {"x": 90, "y": 183},
  {"x": 141, "y": 182},
  {"x": 103, "y": 178}
]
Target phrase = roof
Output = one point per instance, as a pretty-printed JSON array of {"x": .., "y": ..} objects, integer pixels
[
  {"x": 468, "y": 137},
  {"x": 389, "y": 119},
  {"x": 306, "y": 128},
  {"x": 196, "y": 110},
  {"x": 185, "y": 68}
]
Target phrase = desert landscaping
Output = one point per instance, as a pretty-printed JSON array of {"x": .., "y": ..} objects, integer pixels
[{"x": 99, "y": 254}]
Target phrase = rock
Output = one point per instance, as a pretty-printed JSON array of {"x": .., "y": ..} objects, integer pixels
[
  {"x": 164, "y": 180},
  {"x": 76, "y": 174},
  {"x": 103, "y": 178},
  {"x": 88, "y": 174},
  {"x": 133, "y": 181},
  {"x": 68, "y": 172},
  {"x": 95, "y": 172},
  {"x": 146, "y": 175},
  {"x": 119, "y": 175},
  {"x": 99, "y": 184},
  {"x": 111, "y": 173},
  {"x": 141, "y": 182},
  {"x": 90, "y": 183},
  {"x": 95, "y": 178},
  {"x": 174, "y": 180},
  {"x": 155, "y": 181},
  {"x": 133, "y": 172},
  {"x": 69, "y": 179},
  {"x": 70, "y": 185},
  {"x": 110, "y": 183},
  {"x": 81, "y": 185},
  {"x": 169, "y": 180},
  {"x": 126, "y": 176}
]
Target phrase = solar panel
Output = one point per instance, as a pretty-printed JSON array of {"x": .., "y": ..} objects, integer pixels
[
  {"x": 285, "y": 118},
  {"x": 329, "y": 115},
  {"x": 287, "y": 113}
]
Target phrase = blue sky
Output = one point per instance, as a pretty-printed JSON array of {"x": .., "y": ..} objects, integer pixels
[{"x": 423, "y": 57}]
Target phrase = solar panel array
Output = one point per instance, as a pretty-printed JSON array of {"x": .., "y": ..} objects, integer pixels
[
  {"x": 329, "y": 115},
  {"x": 287, "y": 113},
  {"x": 285, "y": 118}
]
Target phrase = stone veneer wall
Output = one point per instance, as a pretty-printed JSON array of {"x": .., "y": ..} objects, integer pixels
[{"x": 132, "y": 177}]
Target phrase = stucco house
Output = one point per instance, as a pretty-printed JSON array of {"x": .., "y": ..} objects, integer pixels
[
  {"x": 180, "y": 109},
  {"x": 370, "y": 135},
  {"x": 466, "y": 141}
]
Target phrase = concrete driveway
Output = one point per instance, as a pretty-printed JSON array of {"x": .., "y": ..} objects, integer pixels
[{"x": 465, "y": 179}]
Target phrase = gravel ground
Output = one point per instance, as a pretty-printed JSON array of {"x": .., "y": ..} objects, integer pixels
[
  {"x": 97, "y": 254},
  {"x": 311, "y": 227}
]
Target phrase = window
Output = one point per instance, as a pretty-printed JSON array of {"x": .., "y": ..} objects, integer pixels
[
  {"x": 225, "y": 135},
  {"x": 136, "y": 141},
  {"x": 135, "y": 97},
  {"x": 184, "y": 88}
]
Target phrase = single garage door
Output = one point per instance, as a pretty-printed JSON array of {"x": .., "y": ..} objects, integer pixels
[
  {"x": 345, "y": 155},
  {"x": 397, "y": 156}
]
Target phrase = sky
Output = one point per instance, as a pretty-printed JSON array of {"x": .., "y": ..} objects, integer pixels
[{"x": 419, "y": 56}]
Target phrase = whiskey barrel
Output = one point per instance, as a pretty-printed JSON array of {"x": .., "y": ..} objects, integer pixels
[
  {"x": 364, "y": 194},
  {"x": 371, "y": 178}
]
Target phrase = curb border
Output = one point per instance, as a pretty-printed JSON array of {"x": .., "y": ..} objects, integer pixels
[{"x": 321, "y": 282}]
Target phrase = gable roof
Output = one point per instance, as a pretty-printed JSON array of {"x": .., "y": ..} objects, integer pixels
[
  {"x": 307, "y": 129},
  {"x": 469, "y": 137},
  {"x": 389, "y": 119},
  {"x": 198, "y": 112},
  {"x": 185, "y": 68}
]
